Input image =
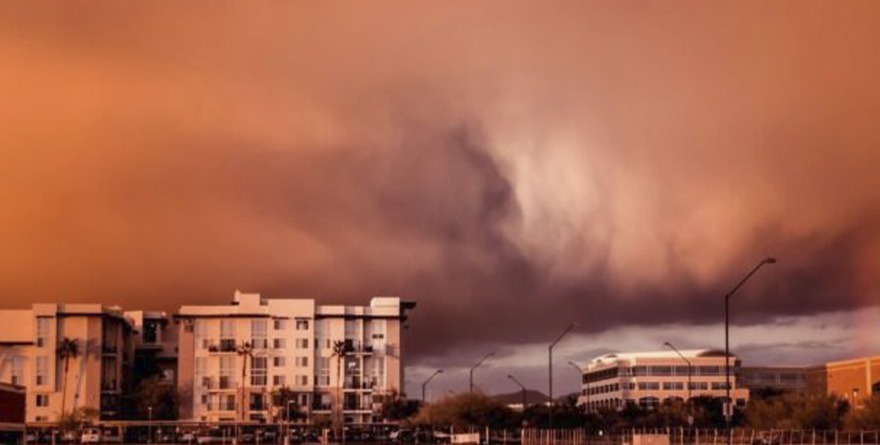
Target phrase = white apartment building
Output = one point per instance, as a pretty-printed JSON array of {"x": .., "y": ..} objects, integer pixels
[
  {"x": 96, "y": 378},
  {"x": 292, "y": 342},
  {"x": 650, "y": 378}
]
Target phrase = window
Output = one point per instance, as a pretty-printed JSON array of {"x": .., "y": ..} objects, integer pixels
[
  {"x": 227, "y": 372},
  {"x": 17, "y": 372},
  {"x": 719, "y": 385},
  {"x": 278, "y": 362},
  {"x": 227, "y": 335},
  {"x": 278, "y": 380},
  {"x": 42, "y": 418},
  {"x": 661, "y": 370},
  {"x": 203, "y": 399},
  {"x": 708, "y": 370},
  {"x": 151, "y": 331},
  {"x": 671, "y": 386},
  {"x": 279, "y": 324},
  {"x": 649, "y": 386},
  {"x": 227, "y": 402},
  {"x": 700, "y": 385},
  {"x": 42, "y": 331},
  {"x": 302, "y": 325},
  {"x": 302, "y": 343},
  {"x": 303, "y": 380},
  {"x": 258, "y": 334},
  {"x": 42, "y": 371},
  {"x": 42, "y": 400},
  {"x": 278, "y": 343},
  {"x": 258, "y": 371},
  {"x": 302, "y": 361},
  {"x": 201, "y": 365}
]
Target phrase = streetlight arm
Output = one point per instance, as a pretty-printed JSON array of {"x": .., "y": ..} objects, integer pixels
[
  {"x": 517, "y": 382},
  {"x": 566, "y": 331},
  {"x": 477, "y": 365},
  {"x": 768, "y": 260}
]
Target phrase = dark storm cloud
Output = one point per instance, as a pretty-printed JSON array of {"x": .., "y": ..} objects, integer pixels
[{"x": 603, "y": 163}]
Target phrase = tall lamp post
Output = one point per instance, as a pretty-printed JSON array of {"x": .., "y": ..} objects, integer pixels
[
  {"x": 550, "y": 369},
  {"x": 523, "y": 387},
  {"x": 728, "y": 405},
  {"x": 425, "y": 384},
  {"x": 150, "y": 423},
  {"x": 577, "y": 368},
  {"x": 477, "y": 365},
  {"x": 690, "y": 367}
]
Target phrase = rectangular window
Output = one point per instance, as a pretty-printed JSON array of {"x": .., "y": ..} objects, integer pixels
[
  {"x": 648, "y": 386},
  {"x": 227, "y": 372},
  {"x": 302, "y": 343},
  {"x": 302, "y": 361},
  {"x": 278, "y": 362},
  {"x": 278, "y": 343},
  {"x": 227, "y": 335},
  {"x": 258, "y": 371},
  {"x": 303, "y": 380},
  {"x": 708, "y": 370},
  {"x": 278, "y": 380},
  {"x": 17, "y": 372},
  {"x": 203, "y": 399},
  {"x": 42, "y": 331},
  {"x": 42, "y": 400},
  {"x": 673, "y": 386},
  {"x": 699, "y": 385},
  {"x": 227, "y": 402},
  {"x": 201, "y": 365},
  {"x": 151, "y": 331},
  {"x": 259, "y": 334},
  {"x": 302, "y": 325},
  {"x": 719, "y": 385},
  {"x": 279, "y": 324},
  {"x": 42, "y": 372}
]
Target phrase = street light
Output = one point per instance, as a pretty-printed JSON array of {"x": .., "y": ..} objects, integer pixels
[
  {"x": 524, "y": 404},
  {"x": 728, "y": 405},
  {"x": 690, "y": 366},
  {"x": 576, "y": 367},
  {"x": 477, "y": 365},
  {"x": 424, "y": 385},
  {"x": 150, "y": 423},
  {"x": 550, "y": 368}
]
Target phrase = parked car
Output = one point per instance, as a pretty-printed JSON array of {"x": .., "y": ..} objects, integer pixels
[{"x": 90, "y": 435}]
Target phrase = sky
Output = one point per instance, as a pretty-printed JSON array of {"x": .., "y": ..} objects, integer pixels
[{"x": 510, "y": 166}]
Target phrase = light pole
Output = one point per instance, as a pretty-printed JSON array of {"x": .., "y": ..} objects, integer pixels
[
  {"x": 728, "y": 405},
  {"x": 425, "y": 385},
  {"x": 550, "y": 369},
  {"x": 150, "y": 423},
  {"x": 576, "y": 367},
  {"x": 477, "y": 365},
  {"x": 523, "y": 387},
  {"x": 690, "y": 367},
  {"x": 287, "y": 439}
]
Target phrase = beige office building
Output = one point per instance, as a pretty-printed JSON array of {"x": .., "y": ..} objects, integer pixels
[
  {"x": 650, "y": 378},
  {"x": 96, "y": 378},
  {"x": 292, "y": 343}
]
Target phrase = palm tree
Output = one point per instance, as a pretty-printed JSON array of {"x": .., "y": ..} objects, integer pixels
[
  {"x": 67, "y": 349},
  {"x": 339, "y": 351},
  {"x": 245, "y": 351}
]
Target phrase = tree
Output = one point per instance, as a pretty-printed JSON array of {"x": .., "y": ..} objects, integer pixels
[
  {"x": 397, "y": 407},
  {"x": 796, "y": 411},
  {"x": 245, "y": 351},
  {"x": 77, "y": 417},
  {"x": 283, "y": 396},
  {"x": 867, "y": 417},
  {"x": 67, "y": 349},
  {"x": 467, "y": 410},
  {"x": 339, "y": 351},
  {"x": 159, "y": 395}
]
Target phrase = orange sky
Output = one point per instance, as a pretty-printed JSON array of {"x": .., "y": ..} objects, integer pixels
[{"x": 488, "y": 158}]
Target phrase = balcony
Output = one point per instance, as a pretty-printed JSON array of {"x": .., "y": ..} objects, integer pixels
[
  {"x": 226, "y": 383},
  {"x": 355, "y": 347}
]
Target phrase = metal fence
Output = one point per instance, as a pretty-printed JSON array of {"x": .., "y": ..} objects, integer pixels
[{"x": 693, "y": 436}]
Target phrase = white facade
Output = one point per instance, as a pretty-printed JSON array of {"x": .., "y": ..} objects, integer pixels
[
  {"x": 651, "y": 378},
  {"x": 96, "y": 378},
  {"x": 292, "y": 343}
]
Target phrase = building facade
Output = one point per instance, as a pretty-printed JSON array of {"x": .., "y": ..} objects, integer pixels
[
  {"x": 854, "y": 380},
  {"x": 12, "y": 407},
  {"x": 292, "y": 344},
  {"x": 650, "y": 378},
  {"x": 778, "y": 378},
  {"x": 96, "y": 377},
  {"x": 155, "y": 345}
]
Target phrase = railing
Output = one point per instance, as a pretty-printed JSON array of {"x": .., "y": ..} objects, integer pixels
[{"x": 691, "y": 436}]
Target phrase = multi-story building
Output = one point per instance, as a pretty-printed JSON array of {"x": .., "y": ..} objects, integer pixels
[
  {"x": 650, "y": 378},
  {"x": 12, "y": 403},
  {"x": 854, "y": 380},
  {"x": 95, "y": 377},
  {"x": 781, "y": 378},
  {"x": 155, "y": 343},
  {"x": 290, "y": 345}
]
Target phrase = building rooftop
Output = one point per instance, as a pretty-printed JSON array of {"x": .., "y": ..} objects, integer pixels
[{"x": 662, "y": 354}]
